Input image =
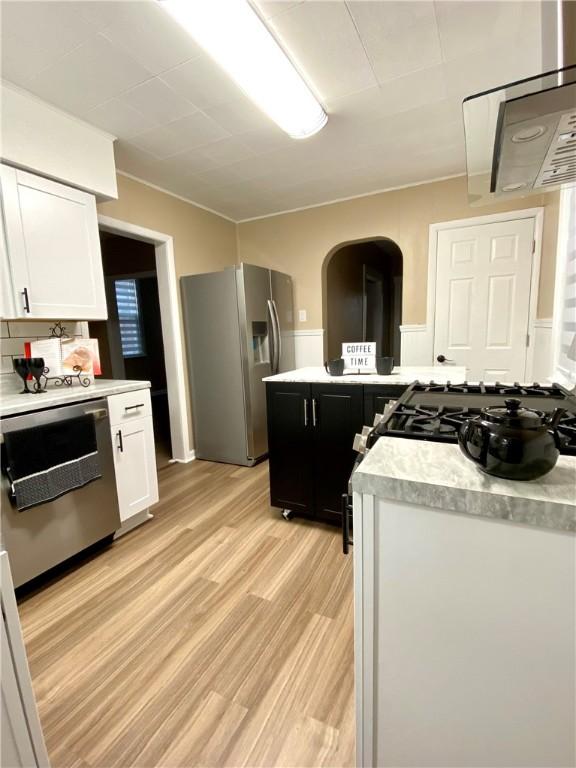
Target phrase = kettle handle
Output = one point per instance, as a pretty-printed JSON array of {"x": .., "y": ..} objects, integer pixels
[
  {"x": 466, "y": 432},
  {"x": 326, "y": 367}
]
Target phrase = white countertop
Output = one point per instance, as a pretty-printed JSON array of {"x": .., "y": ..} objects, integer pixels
[
  {"x": 400, "y": 375},
  {"x": 438, "y": 475},
  {"x": 12, "y": 402}
]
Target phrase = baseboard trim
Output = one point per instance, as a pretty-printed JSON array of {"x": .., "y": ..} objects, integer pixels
[{"x": 190, "y": 457}]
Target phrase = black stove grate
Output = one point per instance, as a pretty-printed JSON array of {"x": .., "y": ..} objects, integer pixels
[
  {"x": 436, "y": 411},
  {"x": 496, "y": 388}
]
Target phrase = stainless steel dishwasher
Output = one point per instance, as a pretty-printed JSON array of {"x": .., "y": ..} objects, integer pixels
[{"x": 43, "y": 536}]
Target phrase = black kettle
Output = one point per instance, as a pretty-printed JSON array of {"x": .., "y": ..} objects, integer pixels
[{"x": 512, "y": 442}]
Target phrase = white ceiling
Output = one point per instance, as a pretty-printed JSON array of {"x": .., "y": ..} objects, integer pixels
[{"x": 390, "y": 73}]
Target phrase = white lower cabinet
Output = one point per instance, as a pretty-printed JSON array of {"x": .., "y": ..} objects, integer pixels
[
  {"x": 134, "y": 455},
  {"x": 21, "y": 740}
]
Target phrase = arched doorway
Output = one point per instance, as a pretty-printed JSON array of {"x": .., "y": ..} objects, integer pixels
[{"x": 362, "y": 296}]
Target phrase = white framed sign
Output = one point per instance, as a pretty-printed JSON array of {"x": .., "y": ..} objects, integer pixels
[{"x": 359, "y": 356}]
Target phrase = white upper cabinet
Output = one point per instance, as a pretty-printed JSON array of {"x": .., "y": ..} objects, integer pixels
[{"x": 53, "y": 249}]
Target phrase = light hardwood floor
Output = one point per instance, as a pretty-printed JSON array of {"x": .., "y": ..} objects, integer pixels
[{"x": 217, "y": 634}]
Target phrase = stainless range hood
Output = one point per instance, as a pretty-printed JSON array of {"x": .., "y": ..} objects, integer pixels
[{"x": 521, "y": 138}]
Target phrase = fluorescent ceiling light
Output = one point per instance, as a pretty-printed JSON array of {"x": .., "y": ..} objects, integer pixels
[{"x": 233, "y": 34}]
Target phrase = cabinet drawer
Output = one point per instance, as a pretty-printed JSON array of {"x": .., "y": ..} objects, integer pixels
[{"x": 129, "y": 406}]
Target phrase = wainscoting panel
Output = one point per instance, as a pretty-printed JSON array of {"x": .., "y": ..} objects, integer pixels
[
  {"x": 416, "y": 345},
  {"x": 309, "y": 348}
]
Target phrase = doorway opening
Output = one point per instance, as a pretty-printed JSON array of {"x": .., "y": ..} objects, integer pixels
[
  {"x": 362, "y": 296},
  {"x": 130, "y": 341}
]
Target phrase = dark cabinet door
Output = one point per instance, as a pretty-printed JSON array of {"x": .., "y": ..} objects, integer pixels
[
  {"x": 375, "y": 398},
  {"x": 337, "y": 414},
  {"x": 290, "y": 446}
]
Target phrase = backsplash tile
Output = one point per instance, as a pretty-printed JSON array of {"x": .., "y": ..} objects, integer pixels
[{"x": 15, "y": 333}]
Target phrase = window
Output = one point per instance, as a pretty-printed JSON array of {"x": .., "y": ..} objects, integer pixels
[{"x": 129, "y": 318}]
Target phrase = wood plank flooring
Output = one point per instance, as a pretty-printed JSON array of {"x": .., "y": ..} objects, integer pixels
[{"x": 217, "y": 634}]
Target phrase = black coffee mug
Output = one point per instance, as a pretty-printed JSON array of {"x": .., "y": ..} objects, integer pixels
[
  {"x": 384, "y": 365},
  {"x": 335, "y": 367}
]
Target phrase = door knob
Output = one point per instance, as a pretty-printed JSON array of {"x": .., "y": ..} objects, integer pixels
[{"x": 442, "y": 359}]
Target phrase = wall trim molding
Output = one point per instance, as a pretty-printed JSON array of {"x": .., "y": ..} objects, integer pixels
[
  {"x": 171, "y": 328},
  {"x": 537, "y": 214},
  {"x": 414, "y": 328},
  {"x": 307, "y": 332},
  {"x": 173, "y": 194},
  {"x": 351, "y": 197},
  {"x": 543, "y": 322}
]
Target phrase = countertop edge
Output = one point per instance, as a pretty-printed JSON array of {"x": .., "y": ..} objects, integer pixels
[
  {"x": 466, "y": 501},
  {"x": 72, "y": 395}
]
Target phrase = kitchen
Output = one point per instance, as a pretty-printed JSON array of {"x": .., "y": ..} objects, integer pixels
[{"x": 208, "y": 615}]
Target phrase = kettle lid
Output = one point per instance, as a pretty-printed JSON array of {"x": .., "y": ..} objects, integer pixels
[{"x": 514, "y": 415}]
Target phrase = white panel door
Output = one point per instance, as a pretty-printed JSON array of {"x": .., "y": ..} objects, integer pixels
[
  {"x": 53, "y": 248},
  {"x": 483, "y": 298},
  {"x": 135, "y": 464}
]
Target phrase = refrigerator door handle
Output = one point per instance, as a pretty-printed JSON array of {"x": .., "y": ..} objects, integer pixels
[
  {"x": 275, "y": 363},
  {"x": 278, "y": 340}
]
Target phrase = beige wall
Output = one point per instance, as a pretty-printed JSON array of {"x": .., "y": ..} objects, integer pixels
[
  {"x": 203, "y": 241},
  {"x": 297, "y": 243}
]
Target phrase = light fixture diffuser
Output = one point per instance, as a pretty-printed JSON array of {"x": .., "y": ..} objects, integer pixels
[{"x": 233, "y": 34}]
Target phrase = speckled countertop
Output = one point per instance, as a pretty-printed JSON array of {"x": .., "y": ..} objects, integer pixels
[
  {"x": 400, "y": 375},
  {"x": 439, "y": 476},
  {"x": 12, "y": 402}
]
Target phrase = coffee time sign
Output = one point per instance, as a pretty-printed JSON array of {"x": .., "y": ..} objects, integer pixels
[{"x": 359, "y": 356}]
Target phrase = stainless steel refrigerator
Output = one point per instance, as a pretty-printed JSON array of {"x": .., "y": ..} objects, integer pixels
[{"x": 239, "y": 325}]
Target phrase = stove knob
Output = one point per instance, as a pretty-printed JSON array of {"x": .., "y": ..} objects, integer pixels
[
  {"x": 366, "y": 431},
  {"x": 359, "y": 444},
  {"x": 378, "y": 418}
]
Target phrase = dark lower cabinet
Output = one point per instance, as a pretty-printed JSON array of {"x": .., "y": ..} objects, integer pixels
[
  {"x": 376, "y": 396},
  {"x": 311, "y": 429},
  {"x": 290, "y": 446},
  {"x": 338, "y": 416}
]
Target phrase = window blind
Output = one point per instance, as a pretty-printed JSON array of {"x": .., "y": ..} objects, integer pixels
[{"x": 129, "y": 318}]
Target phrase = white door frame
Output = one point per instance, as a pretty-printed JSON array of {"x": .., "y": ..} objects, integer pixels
[
  {"x": 171, "y": 331},
  {"x": 537, "y": 214}
]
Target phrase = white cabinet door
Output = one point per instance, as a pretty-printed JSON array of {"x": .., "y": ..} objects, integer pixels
[
  {"x": 21, "y": 740},
  {"x": 135, "y": 464},
  {"x": 53, "y": 248},
  {"x": 483, "y": 298}
]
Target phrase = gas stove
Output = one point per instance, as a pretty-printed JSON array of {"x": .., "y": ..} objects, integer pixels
[{"x": 430, "y": 411}]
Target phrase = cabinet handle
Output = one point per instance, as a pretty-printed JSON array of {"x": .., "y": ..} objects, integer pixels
[
  {"x": 305, "y": 412},
  {"x": 26, "y": 300},
  {"x": 131, "y": 407},
  {"x": 314, "y": 419},
  {"x": 120, "y": 442}
]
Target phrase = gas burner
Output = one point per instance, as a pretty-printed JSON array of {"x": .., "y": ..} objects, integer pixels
[{"x": 438, "y": 423}]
